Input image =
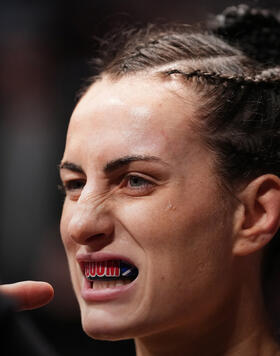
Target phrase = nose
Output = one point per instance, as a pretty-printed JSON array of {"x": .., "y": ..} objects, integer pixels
[{"x": 91, "y": 223}]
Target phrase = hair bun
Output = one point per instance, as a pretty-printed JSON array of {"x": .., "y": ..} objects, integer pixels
[{"x": 254, "y": 31}]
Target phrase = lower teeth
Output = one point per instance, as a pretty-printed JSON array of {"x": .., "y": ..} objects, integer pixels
[{"x": 101, "y": 284}]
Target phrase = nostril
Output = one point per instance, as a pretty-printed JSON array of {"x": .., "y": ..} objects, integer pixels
[
  {"x": 98, "y": 241},
  {"x": 89, "y": 238},
  {"x": 97, "y": 236}
]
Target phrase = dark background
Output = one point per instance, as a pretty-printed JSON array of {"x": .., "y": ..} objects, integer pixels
[{"x": 44, "y": 50}]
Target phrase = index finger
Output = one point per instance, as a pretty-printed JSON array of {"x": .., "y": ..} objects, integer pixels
[{"x": 29, "y": 294}]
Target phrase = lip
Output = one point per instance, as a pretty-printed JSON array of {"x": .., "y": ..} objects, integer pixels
[
  {"x": 101, "y": 256},
  {"x": 106, "y": 294}
]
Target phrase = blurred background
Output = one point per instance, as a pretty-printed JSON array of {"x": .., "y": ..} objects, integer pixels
[{"x": 45, "y": 47}]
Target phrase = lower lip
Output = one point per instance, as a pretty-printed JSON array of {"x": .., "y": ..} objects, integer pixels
[{"x": 106, "y": 294}]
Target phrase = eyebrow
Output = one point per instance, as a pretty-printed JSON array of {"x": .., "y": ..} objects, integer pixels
[
  {"x": 124, "y": 161},
  {"x": 114, "y": 164},
  {"x": 71, "y": 167}
]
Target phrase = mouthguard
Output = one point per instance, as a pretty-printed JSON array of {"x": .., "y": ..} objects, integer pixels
[{"x": 110, "y": 269}]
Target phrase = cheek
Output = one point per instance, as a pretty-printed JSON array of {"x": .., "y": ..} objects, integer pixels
[
  {"x": 64, "y": 223},
  {"x": 70, "y": 246},
  {"x": 187, "y": 257},
  {"x": 186, "y": 235},
  {"x": 159, "y": 221}
]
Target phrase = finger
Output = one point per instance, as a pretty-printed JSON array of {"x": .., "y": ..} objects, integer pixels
[{"x": 29, "y": 294}]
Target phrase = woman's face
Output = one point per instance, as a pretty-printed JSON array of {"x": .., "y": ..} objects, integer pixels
[{"x": 141, "y": 188}]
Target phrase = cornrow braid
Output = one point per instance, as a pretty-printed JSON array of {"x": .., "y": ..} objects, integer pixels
[{"x": 269, "y": 77}]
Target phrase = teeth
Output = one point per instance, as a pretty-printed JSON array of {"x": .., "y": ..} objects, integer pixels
[{"x": 100, "y": 284}]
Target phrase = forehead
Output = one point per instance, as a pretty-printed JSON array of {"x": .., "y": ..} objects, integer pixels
[{"x": 138, "y": 114}]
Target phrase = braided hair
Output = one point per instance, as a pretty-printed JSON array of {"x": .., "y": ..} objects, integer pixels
[{"x": 233, "y": 64}]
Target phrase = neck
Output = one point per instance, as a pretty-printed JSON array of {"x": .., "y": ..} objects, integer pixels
[
  {"x": 240, "y": 328},
  {"x": 258, "y": 343}
]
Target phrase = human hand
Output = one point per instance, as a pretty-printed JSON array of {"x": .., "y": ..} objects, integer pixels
[{"x": 28, "y": 294}]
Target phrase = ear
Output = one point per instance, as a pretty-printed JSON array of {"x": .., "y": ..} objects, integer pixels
[{"x": 258, "y": 218}]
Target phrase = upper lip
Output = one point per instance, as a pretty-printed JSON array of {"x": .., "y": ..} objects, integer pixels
[{"x": 83, "y": 257}]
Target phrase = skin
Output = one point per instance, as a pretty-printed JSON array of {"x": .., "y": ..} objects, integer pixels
[
  {"x": 186, "y": 237},
  {"x": 28, "y": 294}
]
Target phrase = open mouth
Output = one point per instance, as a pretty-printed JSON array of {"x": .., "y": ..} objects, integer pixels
[{"x": 109, "y": 274}]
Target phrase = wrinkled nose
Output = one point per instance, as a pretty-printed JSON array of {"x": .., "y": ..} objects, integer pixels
[{"x": 91, "y": 223}]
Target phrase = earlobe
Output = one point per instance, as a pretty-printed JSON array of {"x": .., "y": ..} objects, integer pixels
[{"x": 259, "y": 219}]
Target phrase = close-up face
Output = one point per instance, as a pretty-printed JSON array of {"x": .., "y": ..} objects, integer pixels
[{"x": 142, "y": 194}]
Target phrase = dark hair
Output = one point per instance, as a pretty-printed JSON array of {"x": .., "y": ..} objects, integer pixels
[
  {"x": 236, "y": 60},
  {"x": 232, "y": 66}
]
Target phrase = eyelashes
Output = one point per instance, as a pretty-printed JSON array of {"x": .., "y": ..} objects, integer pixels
[
  {"x": 75, "y": 184},
  {"x": 72, "y": 187},
  {"x": 137, "y": 185},
  {"x": 131, "y": 184},
  {"x": 136, "y": 182}
]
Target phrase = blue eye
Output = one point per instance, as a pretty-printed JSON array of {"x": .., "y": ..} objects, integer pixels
[
  {"x": 137, "y": 182},
  {"x": 135, "y": 185}
]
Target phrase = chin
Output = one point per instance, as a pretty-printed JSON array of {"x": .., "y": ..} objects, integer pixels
[{"x": 101, "y": 325}]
